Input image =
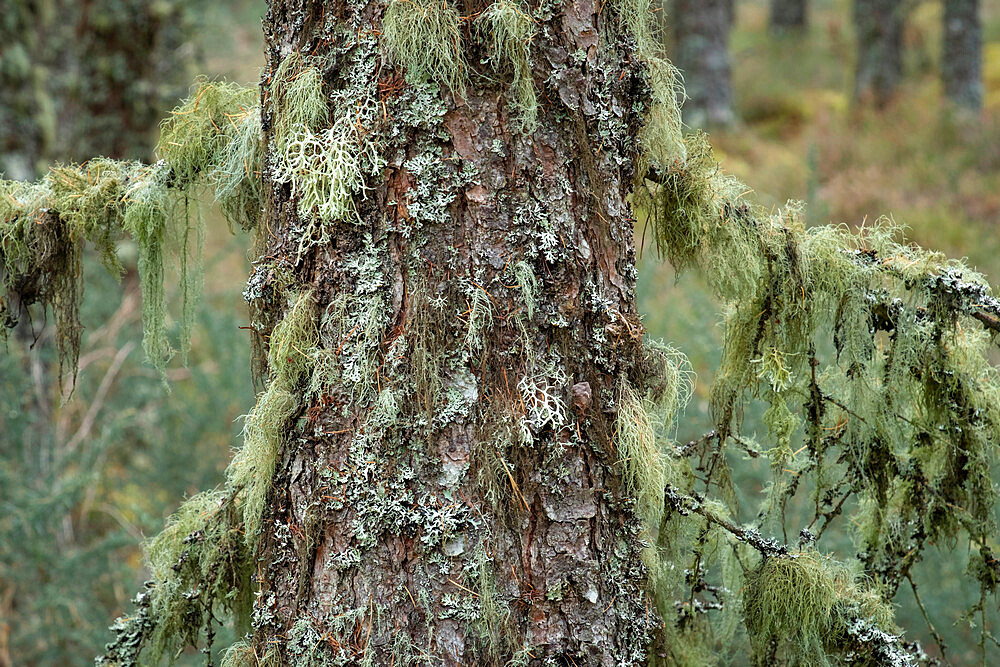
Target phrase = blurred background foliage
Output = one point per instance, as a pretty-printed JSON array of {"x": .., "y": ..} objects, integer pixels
[{"x": 84, "y": 480}]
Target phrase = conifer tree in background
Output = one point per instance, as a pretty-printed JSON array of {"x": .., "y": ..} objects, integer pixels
[
  {"x": 701, "y": 52},
  {"x": 962, "y": 60},
  {"x": 789, "y": 15},
  {"x": 462, "y": 452},
  {"x": 878, "y": 29}
]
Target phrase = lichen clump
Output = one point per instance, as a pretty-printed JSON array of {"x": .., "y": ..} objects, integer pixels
[
  {"x": 806, "y": 603},
  {"x": 423, "y": 36}
]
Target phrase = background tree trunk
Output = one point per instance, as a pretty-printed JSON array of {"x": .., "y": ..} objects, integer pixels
[
  {"x": 789, "y": 15},
  {"x": 962, "y": 64},
  {"x": 701, "y": 51},
  {"x": 878, "y": 28},
  {"x": 452, "y": 496},
  {"x": 89, "y": 78}
]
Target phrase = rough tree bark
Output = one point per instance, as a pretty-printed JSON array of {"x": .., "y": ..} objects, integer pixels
[
  {"x": 962, "y": 65},
  {"x": 878, "y": 26},
  {"x": 701, "y": 51},
  {"x": 467, "y": 509},
  {"x": 789, "y": 15}
]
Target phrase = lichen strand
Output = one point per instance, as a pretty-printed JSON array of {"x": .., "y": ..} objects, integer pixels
[
  {"x": 459, "y": 306},
  {"x": 44, "y": 225},
  {"x": 507, "y": 29},
  {"x": 292, "y": 357}
]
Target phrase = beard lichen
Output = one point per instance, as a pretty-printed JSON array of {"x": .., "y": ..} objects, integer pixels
[
  {"x": 237, "y": 176},
  {"x": 871, "y": 356},
  {"x": 199, "y": 567},
  {"x": 198, "y": 132},
  {"x": 507, "y": 30},
  {"x": 424, "y": 37},
  {"x": 292, "y": 354},
  {"x": 800, "y": 608}
]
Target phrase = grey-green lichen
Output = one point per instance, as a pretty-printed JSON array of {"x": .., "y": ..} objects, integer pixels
[
  {"x": 199, "y": 567},
  {"x": 424, "y": 37},
  {"x": 801, "y": 607},
  {"x": 325, "y": 163},
  {"x": 292, "y": 352},
  {"x": 865, "y": 350},
  {"x": 507, "y": 29}
]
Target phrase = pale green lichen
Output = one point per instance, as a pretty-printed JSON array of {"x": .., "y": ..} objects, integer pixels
[
  {"x": 326, "y": 165},
  {"x": 805, "y": 603},
  {"x": 424, "y": 38},
  {"x": 507, "y": 29},
  {"x": 292, "y": 350},
  {"x": 198, "y": 132},
  {"x": 43, "y": 225},
  {"x": 238, "y": 175},
  {"x": 326, "y": 169},
  {"x": 239, "y": 654},
  {"x": 525, "y": 278},
  {"x": 299, "y": 100},
  {"x": 662, "y": 134},
  {"x": 871, "y": 351},
  {"x": 199, "y": 565},
  {"x": 479, "y": 314},
  {"x": 642, "y": 434},
  {"x": 146, "y": 219},
  {"x": 494, "y": 616}
]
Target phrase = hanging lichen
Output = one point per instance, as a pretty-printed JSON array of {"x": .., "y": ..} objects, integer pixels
[
  {"x": 804, "y": 607},
  {"x": 865, "y": 350},
  {"x": 423, "y": 37},
  {"x": 44, "y": 225},
  {"x": 292, "y": 353},
  {"x": 198, "y": 133},
  {"x": 507, "y": 29},
  {"x": 199, "y": 566}
]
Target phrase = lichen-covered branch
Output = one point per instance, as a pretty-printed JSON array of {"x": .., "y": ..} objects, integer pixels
[
  {"x": 870, "y": 354},
  {"x": 211, "y": 139}
]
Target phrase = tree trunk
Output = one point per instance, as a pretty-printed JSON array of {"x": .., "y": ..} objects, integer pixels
[
  {"x": 879, "y": 32},
  {"x": 789, "y": 15},
  {"x": 962, "y": 66},
  {"x": 452, "y": 494},
  {"x": 701, "y": 51}
]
